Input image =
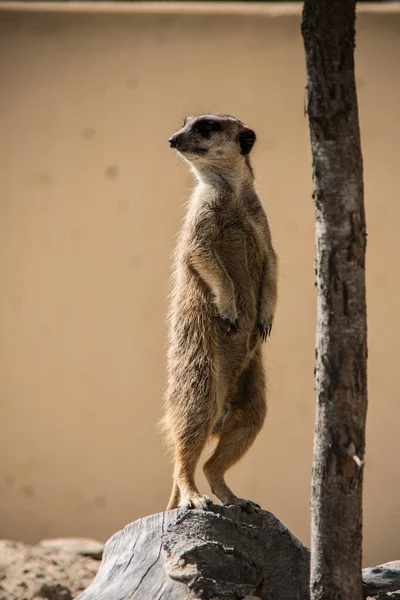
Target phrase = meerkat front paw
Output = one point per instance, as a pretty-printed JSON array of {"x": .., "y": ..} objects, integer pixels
[
  {"x": 229, "y": 320},
  {"x": 227, "y": 313},
  {"x": 231, "y": 324},
  {"x": 264, "y": 326}
]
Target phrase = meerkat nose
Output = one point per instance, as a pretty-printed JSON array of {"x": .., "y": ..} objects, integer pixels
[{"x": 173, "y": 141}]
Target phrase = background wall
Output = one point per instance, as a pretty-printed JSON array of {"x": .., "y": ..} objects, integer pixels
[{"x": 91, "y": 198}]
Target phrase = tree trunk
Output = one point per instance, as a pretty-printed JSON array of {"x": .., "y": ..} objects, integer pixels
[{"x": 341, "y": 352}]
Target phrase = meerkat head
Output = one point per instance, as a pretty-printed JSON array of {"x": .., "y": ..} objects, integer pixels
[{"x": 214, "y": 142}]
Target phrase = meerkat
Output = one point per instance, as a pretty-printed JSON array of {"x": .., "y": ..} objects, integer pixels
[{"x": 222, "y": 308}]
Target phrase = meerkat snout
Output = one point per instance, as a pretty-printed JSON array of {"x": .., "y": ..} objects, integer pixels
[{"x": 173, "y": 141}]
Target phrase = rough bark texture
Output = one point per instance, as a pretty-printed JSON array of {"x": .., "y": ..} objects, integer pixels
[
  {"x": 223, "y": 554},
  {"x": 341, "y": 353}
]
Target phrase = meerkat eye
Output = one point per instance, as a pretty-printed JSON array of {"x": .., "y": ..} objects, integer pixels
[{"x": 207, "y": 127}]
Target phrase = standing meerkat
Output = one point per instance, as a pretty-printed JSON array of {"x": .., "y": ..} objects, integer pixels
[{"x": 223, "y": 303}]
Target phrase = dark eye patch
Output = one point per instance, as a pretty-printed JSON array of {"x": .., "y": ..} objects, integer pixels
[{"x": 206, "y": 127}]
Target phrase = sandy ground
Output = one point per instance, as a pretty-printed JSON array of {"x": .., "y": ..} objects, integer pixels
[{"x": 57, "y": 569}]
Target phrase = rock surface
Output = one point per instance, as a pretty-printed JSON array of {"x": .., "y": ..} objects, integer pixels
[
  {"x": 382, "y": 578},
  {"x": 223, "y": 553},
  {"x": 220, "y": 554},
  {"x": 54, "y": 569}
]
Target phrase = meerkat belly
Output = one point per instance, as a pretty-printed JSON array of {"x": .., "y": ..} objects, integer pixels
[
  {"x": 195, "y": 322},
  {"x": 192, "y": 313},
  {"x": 243, "y": 261}
]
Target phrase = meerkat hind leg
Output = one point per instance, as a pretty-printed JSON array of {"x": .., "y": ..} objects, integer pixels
[
  {"x": 244, "y": 421},
  {"x": 189, "y": 443},
  {"x": 185, "y": 493},
  {"x": 174, "y": 498}
]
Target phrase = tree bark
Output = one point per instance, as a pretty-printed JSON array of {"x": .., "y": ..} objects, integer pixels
[{"x": 328, "y": 29}]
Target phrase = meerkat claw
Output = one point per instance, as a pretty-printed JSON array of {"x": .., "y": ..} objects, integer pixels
[
  {"x": 231, "y": 324},
  {"x": 199, "y": 502},
  {"x": 265, "y": 327}
]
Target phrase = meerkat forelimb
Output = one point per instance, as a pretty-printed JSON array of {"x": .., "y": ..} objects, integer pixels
[{"x": 222, "y": 308}]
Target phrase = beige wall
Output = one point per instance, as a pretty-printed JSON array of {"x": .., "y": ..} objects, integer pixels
[{"x": 91, "y": 198}]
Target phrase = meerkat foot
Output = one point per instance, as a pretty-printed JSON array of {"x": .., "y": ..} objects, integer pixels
[
  {"x": 195, "y": 501},
  {"x": 264, "y": 327},
  {"x": 246, "y": 505}
]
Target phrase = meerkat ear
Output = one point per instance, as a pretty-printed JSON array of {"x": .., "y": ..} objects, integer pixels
[{"x": 246, "y": 138}]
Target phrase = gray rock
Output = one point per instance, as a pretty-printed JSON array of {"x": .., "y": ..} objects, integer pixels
[
  {"x": 223, "y": 553},
  {"x": 383, "y": 578}
]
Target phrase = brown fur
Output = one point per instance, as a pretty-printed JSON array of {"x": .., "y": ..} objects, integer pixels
[{"x": 222, "y": 307}]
